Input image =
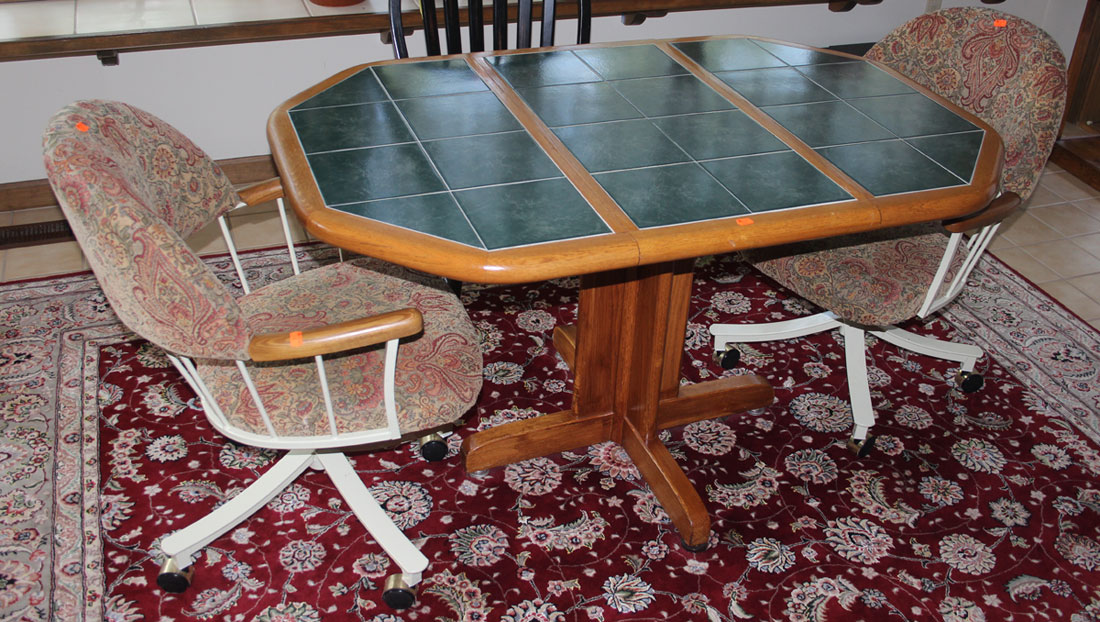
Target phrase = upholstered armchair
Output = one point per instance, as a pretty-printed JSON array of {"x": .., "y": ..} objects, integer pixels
[
  {"x": 1002, "y": 69},
  {"x": 334, "y": 357}
]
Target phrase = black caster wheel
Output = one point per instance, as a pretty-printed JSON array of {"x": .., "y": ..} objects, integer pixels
[
  {"x": 728, "y": 358},
  {"x": 862, "y": 448},
  {"x": 173, "y": 580},
  {"x": 696, "y": 548},
  {"x": 397, "y": 594},
  {"x": 969, "y": 381},
  {"x": 433, "y": 448}
]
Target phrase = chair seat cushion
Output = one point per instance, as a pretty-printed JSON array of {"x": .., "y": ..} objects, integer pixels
[
  {"x": 873, "y": 279},
  {"x": 438, "y": 372}
]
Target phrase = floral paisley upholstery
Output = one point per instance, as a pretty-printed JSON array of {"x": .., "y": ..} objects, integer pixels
[
  {"x": 845, "y": 274},
  {"x": 1011, "y": 76},
  {"x": 132, "y": 188},
  {"x": 438, "y": 373}
]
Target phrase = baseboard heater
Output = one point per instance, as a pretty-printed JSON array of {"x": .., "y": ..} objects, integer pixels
[{"x": 35, "y": 233}]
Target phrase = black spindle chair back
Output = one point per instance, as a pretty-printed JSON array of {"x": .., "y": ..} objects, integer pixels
[{"x": 476, "y": 18}]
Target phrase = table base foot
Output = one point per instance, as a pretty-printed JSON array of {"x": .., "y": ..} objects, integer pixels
[
  {"x": 716, "y": 398},
  {"x": 532, "y": 438},
  {"x": 670, "y": 485}
]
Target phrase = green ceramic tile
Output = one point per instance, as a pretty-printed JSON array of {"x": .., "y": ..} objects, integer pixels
[
  {"x": 669, "y": 195},
  {"x": 434, "y": 214},
  {"x": 728, "y": 54},
  {"x": 490, "y": 159},
  {"x": 827, "y": 123},
  {"x": 775, "y": 181},
  {"x": 375, "y": 173},
  {"x": 855, "y": 79},
  {"x": 719, "y": 134},
  {"x": 889, "y": 167},
  {"x": 793, "y": 55},
  {"x": 435, "y": 77},
  {"x": 543, "y": 69},
  {"x": 360, "y": 88},
  {"x": 619, "y": 145},
  {"x": 530, "y": 213},
  {"x": 774, "y": 86},
  {"x": 457, "y": 115},
  {"x": 657, "y": 97},
  {"x": 957, "y": 153},
  {"x": 630, "y": 61},
  {"x": 912, "y": 115},
  {"x": 570, "y": 104},
  {"x": 347, "y": 127}
]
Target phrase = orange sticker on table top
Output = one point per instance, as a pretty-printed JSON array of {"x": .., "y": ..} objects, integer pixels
[
  {"x": 1000, "y": 23},
  {"x": 82, "y": 126},
  {"x": 744, "y": 221},
  {"x": 296, "y": 338}
]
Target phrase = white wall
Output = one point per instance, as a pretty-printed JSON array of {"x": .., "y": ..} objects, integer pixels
[{"x": 221, "y": 96}]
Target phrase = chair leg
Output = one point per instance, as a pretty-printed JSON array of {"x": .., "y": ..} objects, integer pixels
[
  {"x": 859, "y": 391},
  {"x": 964, "y": 354},
  {"x": 855, "y": 355},
  {"x": 772, "y": 331},
  {"x": 407, "y": 557},
  {"x": 181, "y": 546}
]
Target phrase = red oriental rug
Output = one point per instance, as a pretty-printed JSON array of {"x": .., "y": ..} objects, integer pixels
[{"x": 972, "y": 507}]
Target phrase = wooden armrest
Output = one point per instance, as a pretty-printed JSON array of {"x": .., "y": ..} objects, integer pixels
[
  {"x": 997, "y": 210},
  {"x": 262, "y": 192},
  {"x": 336, "y": 337}
]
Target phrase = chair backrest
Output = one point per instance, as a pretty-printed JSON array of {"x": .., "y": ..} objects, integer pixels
[
  {"x": 1004, "y": 69},
  {"x": 476, "y": 20},
  {"x": 132, "y": 188}
]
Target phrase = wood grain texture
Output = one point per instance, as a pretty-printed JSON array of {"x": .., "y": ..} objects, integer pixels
[
  {"x": 626, "y": 348},
  {"x": 630, "y": 329},
  {"x": 995, "y": 212},
  {"x": 565, "y": 342},
  {"x": 262, "y": 192},
  {"x": 627, "y": 245},
  {"x": 335, "y": 338},
  {"x": 1080, "y": 157}
]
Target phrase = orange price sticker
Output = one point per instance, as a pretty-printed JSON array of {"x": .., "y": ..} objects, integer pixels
[
  {"x": 81, "y": 126},
  {"x": 296, "y": 338},
  {"x": 744, "y": 221},
  {"x": 1000, "y": 23}
]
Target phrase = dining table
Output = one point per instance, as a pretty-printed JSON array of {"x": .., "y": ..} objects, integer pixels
[{"x": 622, "y": 163}]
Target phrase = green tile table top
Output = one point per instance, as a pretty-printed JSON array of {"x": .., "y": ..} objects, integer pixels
[{"x": 438, "y": 148}]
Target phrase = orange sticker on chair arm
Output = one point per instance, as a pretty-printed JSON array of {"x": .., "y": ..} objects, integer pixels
[
  {"x": 1000, "y": 23},
  {"x": 295, "y": 338},
  {"x": 743, "y": 221},
  {"x": 82, "y": 126}
]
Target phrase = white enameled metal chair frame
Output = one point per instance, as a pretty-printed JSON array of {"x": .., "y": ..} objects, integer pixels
[
  {"x": 182, "y": 546},
  {"x": 854, "y": 336}
]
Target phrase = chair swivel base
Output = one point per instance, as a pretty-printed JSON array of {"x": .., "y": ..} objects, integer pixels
[
  {"x": 181, "y": 546},
  {"x": 726, "y": 354}
]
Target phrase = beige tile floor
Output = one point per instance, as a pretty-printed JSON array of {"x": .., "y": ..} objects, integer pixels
[{"x": 1054, "y": 242}]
